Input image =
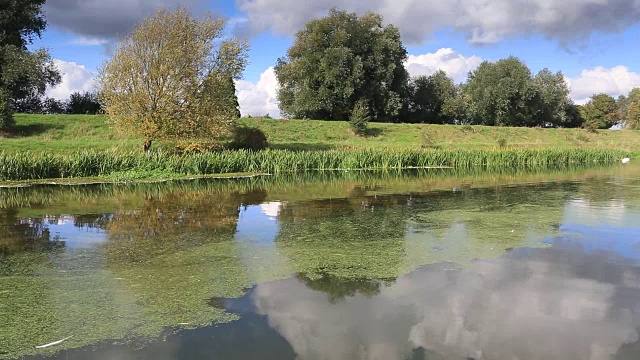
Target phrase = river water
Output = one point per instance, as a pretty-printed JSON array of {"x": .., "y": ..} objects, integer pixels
[{"x": 436, "y": 264}]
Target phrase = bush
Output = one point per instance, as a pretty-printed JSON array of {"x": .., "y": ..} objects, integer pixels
[
  {"x": 360, "y": 118},
  {"x": 248, "y": 138},
  {"x": 502, "y": 143}
]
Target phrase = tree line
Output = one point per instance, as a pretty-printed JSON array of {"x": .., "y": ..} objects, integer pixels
[
  {"x": 78, "y": 103},
  {"x": 344, "y": 65}
]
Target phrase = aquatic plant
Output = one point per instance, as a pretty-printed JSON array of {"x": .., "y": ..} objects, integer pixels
[{"x": 28, "y": 165}]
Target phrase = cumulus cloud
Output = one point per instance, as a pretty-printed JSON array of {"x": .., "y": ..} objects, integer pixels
[
  {"x": 75, "y": 77},
  {"x": 454, "y": 64},
  {"x": 102, "y": 20},
  {"x": 483, "y": 22},
  {"x": 257, "y": 99},
  {"x": 615, "y": 81}
]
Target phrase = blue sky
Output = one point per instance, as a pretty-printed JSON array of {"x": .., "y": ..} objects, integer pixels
[{"x": 572, "y": 36}]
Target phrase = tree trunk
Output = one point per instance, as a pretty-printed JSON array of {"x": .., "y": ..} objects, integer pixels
[{"x": 147, "y": 146}]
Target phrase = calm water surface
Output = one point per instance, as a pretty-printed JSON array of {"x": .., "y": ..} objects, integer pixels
[{"x": 427, "y": 265}]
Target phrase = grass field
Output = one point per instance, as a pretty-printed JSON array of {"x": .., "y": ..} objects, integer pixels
[{"x": 65, "y": 134}]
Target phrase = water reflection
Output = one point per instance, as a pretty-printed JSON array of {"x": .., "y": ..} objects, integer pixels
[
  {"x": 513, "y": 261},
  {"x": 558, "y": 303}
]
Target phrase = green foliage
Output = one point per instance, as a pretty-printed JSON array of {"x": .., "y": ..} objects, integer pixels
[
  {"x": 360, "y": 118},
  {"x": 6, "y": 114},
  {"x": 429, "y": 94},
  {"x": 53, "y": 106},
  {"x": 83, "y": 103},
  {"x": 502, "y": 94},
  {"x": 248, "y": 138},
  {"x": 630, "y": 110},
  {"x": 554, "y": 107},
  {"x": 601, "y": 112},
  {"x": 340, "y": 59},
  {"x": 172, "y": 78},
  {"x": 502, "y": 142},
  {"x": 24, "y": 75},
  {"x": 21, "y": 22},
  {"x": 30, "y": 165}
]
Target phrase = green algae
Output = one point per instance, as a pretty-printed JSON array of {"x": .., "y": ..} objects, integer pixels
[{"x": 171, "y": 247}]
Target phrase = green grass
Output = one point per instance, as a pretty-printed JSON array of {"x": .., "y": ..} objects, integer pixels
[
  {"x": 78, "y": 146},
  {"x": 72, "y": 133}
]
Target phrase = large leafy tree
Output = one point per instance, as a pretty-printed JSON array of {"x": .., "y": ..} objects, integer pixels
[
  {"x": 164, "y": 79},
  {"x": 601, "y": 112},
  {"x": 502, "y": 94},
  {"x": 429, "y": 94},
  {"x": 339, "y": 60},
  {"x": 630, "y": 109},
  {"x": 24, "y": 75},
  {"x": 555, "y": 107}
]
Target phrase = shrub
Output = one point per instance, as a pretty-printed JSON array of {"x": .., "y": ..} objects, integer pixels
[
  {"x": 360, "y": 118},
  {"x": 502, "y": 143},
  {"x": 248, "y": 138}
]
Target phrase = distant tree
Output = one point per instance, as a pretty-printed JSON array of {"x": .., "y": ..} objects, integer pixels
[
  {"x": 23, "y": 74},
  {"x": 83, "y": 103},
  {"x": 502, "y": 94},
  {"x": 163, "y": 79},
  {"x": 554, "y": 103},
  {"x": 428, "y": 97},
  {"x": 601, "y": 112},
  {"x": 340, "y": 59},
  {"x": 630, "y": 110},
  {"x": 29, "y": 105},
  {"x": 458, "y": 108},
  {"x": 53, "y": 106}
]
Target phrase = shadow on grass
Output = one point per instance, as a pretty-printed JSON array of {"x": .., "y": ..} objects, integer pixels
[
  {"x": 34, "y": 129},
  {"x": 302, "y": 146},
  {"x": 373, "y": 132}
]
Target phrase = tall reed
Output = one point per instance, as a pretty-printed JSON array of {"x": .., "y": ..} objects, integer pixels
[{"x": 28, "y": 165}]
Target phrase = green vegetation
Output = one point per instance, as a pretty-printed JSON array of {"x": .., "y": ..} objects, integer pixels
[
  {"x": 24, "y": 74},
  {"x": 339, "y": 60},
  {"x": 171, "y": 78},
  {"x": 26, "y": 166}
]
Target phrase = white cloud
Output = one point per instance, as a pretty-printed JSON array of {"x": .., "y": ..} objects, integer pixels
[
  {"x": 75, "y": 77},
  {"x": 89, "y": 41},
  {"x": 482, "y": 22},
  {"x": 454, "y": 64},
  {"x": 614, "y": 81},
  {"x": 259, "y": 98}
]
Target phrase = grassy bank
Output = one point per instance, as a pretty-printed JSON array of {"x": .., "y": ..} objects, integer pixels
[
  {"x": 73, "y": 133},
  {"x": 31, "y": 165}
]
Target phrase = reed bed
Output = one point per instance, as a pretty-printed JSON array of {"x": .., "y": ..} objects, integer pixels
[{"x": 30, "y": 166}]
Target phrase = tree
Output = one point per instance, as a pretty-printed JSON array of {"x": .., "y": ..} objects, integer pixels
[
  {"x": 555, "y": 106},
  {"x": 83, "y": 103},
  {"x": 428, "y": 97},
  {"x": 163, "y": 79},
  {"x": 601, "y": 112},
  {"x": 360, "y": 118},
  {"x": 631, "y": 110},
  {"x": 53, "y": 106},
  {"x": 502, "y": 94},
  {"x": 24, "y": 75},
  {"x": 340, "y": 59}
]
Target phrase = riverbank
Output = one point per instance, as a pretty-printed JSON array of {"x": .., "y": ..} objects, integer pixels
[
  {"x": 68, "y": 134},
  {"x": 135, "y": 165}
]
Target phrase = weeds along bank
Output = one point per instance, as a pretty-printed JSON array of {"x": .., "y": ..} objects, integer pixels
[{"x": 135, "y": 165}]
